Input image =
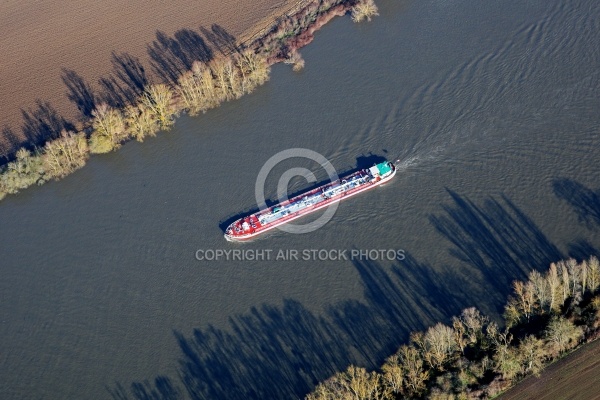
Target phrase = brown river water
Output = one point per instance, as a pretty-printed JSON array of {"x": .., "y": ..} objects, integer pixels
[{"x": 492, "y": 109}]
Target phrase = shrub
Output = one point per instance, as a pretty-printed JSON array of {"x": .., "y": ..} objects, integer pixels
[
  {"x": 364, "y": 9},
  {"x": 65, "y": 155}
]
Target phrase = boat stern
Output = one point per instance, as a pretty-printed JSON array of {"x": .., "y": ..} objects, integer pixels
[{"x": 383, "y": 171}]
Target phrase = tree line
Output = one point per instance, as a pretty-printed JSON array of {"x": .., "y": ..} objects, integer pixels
[
  {"x": 205, "y": 85},
  {"x": 473, "y": 357}
]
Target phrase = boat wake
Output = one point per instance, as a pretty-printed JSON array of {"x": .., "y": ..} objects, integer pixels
[{"x": 420, "y": 160}]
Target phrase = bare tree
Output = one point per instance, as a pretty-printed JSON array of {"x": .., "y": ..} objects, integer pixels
[
  {"x": 364, "y": 9},
  {"x": 140, "y": 121},
  {"x": 109, "y": 129},
  {"x": 565, "y": 280},
  {"x": 574, "y": 271},
  {"x": 524, "y": 298},
  {"x": 498, "y": 338},
  {"x": 593, "y": 273},
  {"x": 64, "y": 155},
  {"x": 415, "y": 374},
  {"x": 540, "y": 290},
  {"x": 507, "y": 361},
  {"x": 190, "y": 91},
  {"x": 355, "y": 383},
  {"x": 26, "y": 170},
  {"x": 532, "y": 353},
  {"x": 198, "y": 89},
  {"x": 439, "y": 345},
  {"x": 220, "y": 68},
  {"x": 159, "y": 100},
  {"x": 234, "y": 80},
  {"x": 393, "y": 374},
  {"x": 474, "y": 322},
  {"x": 295, "y": 59},
  {"x": 554, "y": 288},
  {"x": 207, "y": 84},
  {"x": 460, "y": 334},
  {"x": 584, "y": 271},
  {"x": 321, "y": 392},
  {"x": 512, "y": 313},
  {"x": 23, "y": 163},
  {"x": 254, "y": 70},
  {"x": 563, "y": 334}
]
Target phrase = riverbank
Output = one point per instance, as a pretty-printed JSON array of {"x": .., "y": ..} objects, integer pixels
[
  {"x": 572, "y": 377},
  {"x": 39, "y": 40},
  {"x": 545, "y": 318},
  {"x": 195, "y": 75}
]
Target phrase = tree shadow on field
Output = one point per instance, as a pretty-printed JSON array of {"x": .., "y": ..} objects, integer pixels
[
  {"x": 79, "y": 92},
  {"x": 172, "y": 56},
  {"x": 283, "y": 352},
  {"x": 43, "y": 123},
  {"x": 126, "y": 83},
  {"x": 9, "y": 144},
  {"x": 220, "y": 39},
  {"x": 496, "y": 241},
  {"x": 584, "y": 200}
]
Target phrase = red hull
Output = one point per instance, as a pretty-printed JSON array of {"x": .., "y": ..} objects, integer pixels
[{"x": 249, "y": 227}]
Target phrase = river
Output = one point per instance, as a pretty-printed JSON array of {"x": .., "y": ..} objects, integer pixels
[{"x": 492, "y": 109}]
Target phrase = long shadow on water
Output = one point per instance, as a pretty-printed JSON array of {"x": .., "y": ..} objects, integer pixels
[
  {"x": 586, "y": 204},
  {"x": 161, "y": 388},
  {"x": 282, "y": 352},
  {"x": 496, "y": 241},
  {"x": 583, "y": 250},
  {"x": 585, "y": 201},
  {"x": 274, "y": 352}
]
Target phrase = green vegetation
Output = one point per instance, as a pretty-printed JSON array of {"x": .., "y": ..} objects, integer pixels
[
  {"x": 204, "y": 86},
  {"x": 25, "y": 171},
  {"x": 547, "y": 316}
]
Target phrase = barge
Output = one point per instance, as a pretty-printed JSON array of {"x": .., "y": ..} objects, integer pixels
[{"x": 250, "y": 226}]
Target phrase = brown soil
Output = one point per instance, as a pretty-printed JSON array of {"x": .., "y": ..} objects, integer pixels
[
  {"x": 573, "y": 377},
  {"x": 39, "y": 39}
]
